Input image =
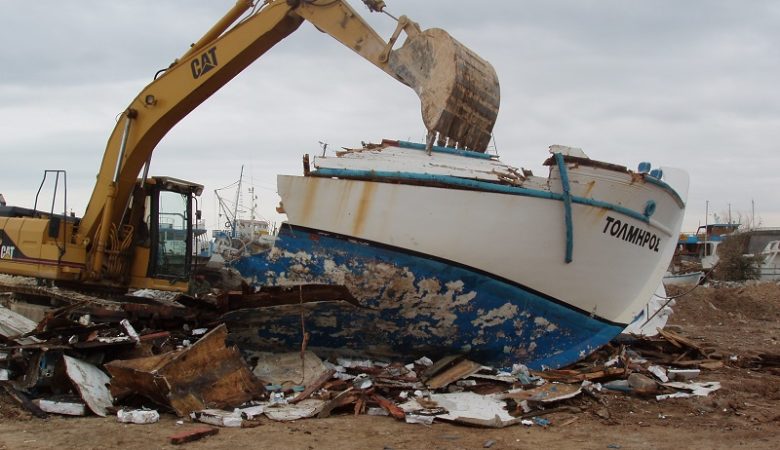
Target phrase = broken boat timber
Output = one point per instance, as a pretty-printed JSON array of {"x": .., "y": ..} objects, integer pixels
[{"x": 448, "y": 250}]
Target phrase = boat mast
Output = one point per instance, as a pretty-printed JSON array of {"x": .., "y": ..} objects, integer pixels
[
  {"x": 706, "y": 226},
  {"x": 234, "y": 228}
]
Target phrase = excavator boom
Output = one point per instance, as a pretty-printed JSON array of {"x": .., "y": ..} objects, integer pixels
[{"x": 458, "y": 90}]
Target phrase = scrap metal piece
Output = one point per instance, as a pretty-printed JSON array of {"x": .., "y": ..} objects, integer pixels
[
  {"x": 288, "y": 369},
  {"x": 205, "y": 375},
  {"x": 91, "y": 383}
]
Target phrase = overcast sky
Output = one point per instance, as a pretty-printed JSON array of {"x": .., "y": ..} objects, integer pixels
[{"x": 691, "y": 84}]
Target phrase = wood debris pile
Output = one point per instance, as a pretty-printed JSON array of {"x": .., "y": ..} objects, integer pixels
[{"x": 87, "y": 357}]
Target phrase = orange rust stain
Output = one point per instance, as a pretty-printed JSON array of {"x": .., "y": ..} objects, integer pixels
[
  {"x": 364, "y": 204},
  {"x": 345, "y": 187},
  {"x": 591, "y": 184},
  {"x": 308, "y": 199},
  {"x": 601, "y": 213}
]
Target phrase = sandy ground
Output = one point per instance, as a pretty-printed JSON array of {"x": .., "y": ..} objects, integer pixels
[{"x": 739, "y": 321}]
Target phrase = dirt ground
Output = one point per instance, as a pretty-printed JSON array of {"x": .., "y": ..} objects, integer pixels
[{"x": 739, "y": 322}]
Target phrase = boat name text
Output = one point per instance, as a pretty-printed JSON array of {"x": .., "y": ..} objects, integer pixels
[{"x": 632, "y": 234}]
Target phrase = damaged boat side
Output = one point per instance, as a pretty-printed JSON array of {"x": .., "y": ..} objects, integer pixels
[
  {"x": 449, "y": 251},
  {"x": 410, "y": 304}
]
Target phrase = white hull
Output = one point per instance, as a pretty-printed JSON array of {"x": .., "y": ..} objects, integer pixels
[{"x": 684, "y": 279}]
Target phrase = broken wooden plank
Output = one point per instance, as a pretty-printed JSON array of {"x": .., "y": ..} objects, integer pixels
[
  {"x": 572, "y": 376},
  {"x": 679, "y": 340},
  {"x": 546, "y": 393},
  {"x": 192, "y": 434},
  {"x": 388, "y": 406},
  {"x": 286, "y": 295},
  {"x": 314, "y": 386},
  {"x": 342, "y": 399},
  {"x": 459, "y": 371},
  {"x": 441, "y": 364}
]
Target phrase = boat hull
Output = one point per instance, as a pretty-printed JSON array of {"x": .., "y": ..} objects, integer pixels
[
  {"x": 410, "y": 305},
  {"x": 442, "y": 255}
]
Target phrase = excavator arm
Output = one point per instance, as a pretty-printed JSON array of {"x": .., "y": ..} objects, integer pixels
[{"x": 458, "y": 90}]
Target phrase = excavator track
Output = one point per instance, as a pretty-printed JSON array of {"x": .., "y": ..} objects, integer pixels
[{"x": 60, "y": 295}]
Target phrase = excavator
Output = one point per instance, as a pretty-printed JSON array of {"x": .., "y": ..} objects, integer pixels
[{"x": 137, "y": 230}]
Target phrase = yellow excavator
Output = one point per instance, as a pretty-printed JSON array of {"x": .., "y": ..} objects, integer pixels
[{"x": 138, "y": 232}]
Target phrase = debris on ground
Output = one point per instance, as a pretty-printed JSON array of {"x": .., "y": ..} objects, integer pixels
[{"x": 152, "y": 355}]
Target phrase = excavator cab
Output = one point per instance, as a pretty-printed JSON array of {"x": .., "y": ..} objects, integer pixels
[{"x": 162, "y": 220}]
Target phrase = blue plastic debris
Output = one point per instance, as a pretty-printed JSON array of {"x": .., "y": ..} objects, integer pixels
[
  {"x": 617, "y": 385},
  {"x": 541, "y": 421}
]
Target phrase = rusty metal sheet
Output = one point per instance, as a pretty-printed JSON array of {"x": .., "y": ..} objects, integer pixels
[
  {"x": 91, "y": 383},
  {"x": 206, "y": 375},
  {"x": 13, "y": 325}
]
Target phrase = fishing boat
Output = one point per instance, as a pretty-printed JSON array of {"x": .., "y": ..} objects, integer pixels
[
  {"x": 683, "y": 279},
  {"x": 769, "y": 270},
  {"x": 443, "y": 250},
  {"x": 241, "y": 235}
]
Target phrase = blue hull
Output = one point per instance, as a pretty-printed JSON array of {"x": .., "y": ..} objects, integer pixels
[{"x": 409, "y": 305}]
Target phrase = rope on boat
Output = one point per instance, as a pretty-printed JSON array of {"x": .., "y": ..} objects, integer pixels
[{"x": 566, "y": 206}]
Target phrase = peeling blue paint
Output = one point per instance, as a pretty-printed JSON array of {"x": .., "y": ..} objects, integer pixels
[{"x": 411, "y": 306}]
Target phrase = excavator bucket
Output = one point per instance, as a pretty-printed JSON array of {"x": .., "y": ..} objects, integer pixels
[{"x": 459, "y": 90}]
